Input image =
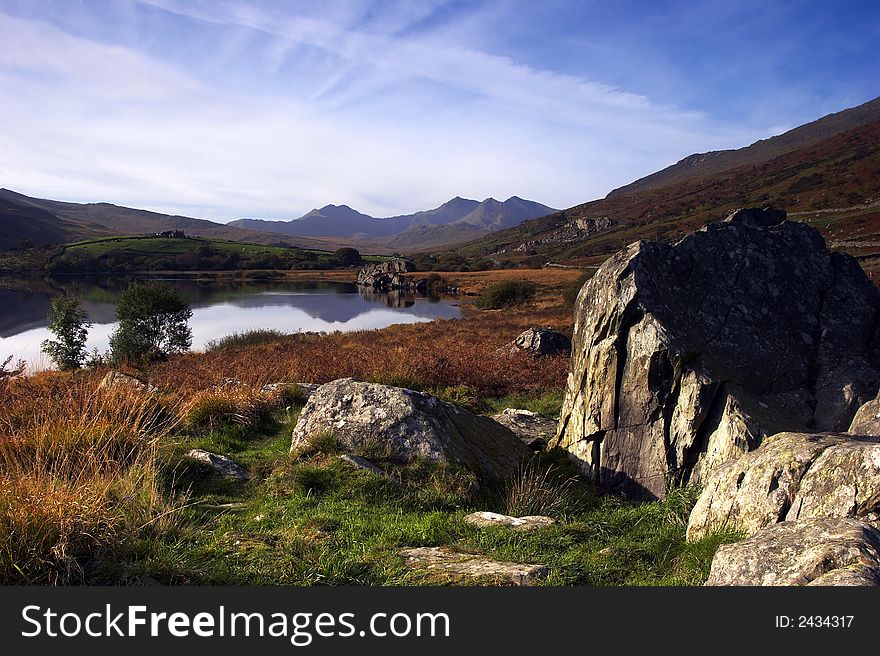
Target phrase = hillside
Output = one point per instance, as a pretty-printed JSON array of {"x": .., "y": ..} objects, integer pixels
[
  {"x": 46, "y": 222},
  {"x": 456, "y": 221},
  {"x": 832, "y": 183}
]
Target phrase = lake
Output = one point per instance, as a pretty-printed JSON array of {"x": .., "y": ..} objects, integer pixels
[{"x": 219, "y": 309}]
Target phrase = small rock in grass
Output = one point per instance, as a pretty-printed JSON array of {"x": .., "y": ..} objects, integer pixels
[
  {"x": 224, "y": 466},
  {"x": 440, "y": 560},
  {"x": 485, "y": 519},
  {"x": 362, "y": 463}
]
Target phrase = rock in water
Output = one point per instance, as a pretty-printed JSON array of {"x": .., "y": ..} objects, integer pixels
[
  {"x": 807, "y": 552},
  {"x": 387, "y": 276},
  {"x": 407, "y": 425},
  {"x": 686, "y": 356},
  {"x": 791, "y": 476}
]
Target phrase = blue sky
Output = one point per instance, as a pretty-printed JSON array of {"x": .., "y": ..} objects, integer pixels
[{"x": 224, "y": 109}]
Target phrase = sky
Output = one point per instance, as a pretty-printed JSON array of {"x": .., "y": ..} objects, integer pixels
[{"x": 223, "y": 109}]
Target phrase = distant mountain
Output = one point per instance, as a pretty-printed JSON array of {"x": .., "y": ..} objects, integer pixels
[
  {"x": 455, "y": 221},
  {"x": 44, "y": 222},
  {"x": 826, "y": 173}
]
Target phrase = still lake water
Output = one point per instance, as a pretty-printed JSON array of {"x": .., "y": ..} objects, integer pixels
[{"x": 219, "y": 309}]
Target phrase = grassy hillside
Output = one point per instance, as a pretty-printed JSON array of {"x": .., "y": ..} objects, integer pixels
[
  {"x": 833, "y": 184},
  {"x": 138, "y": 254},
  {"x": 62, "y": 222}
]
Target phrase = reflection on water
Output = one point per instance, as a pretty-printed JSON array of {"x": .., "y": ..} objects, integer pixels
[{"x": 219, "y": 309}]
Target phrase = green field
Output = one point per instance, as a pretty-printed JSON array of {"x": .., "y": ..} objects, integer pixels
[{"x": 148, "y": 253}]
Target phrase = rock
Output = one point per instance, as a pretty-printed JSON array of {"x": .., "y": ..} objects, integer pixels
[
  {"x": 408, "y": 425},
  {"x": 362, "y": 463},
  {"x": 119, "y": 380},
  {"x": 856, "y": 575},
  {"x": 534, "y": 430},
  {"x": 822, "y": 551},
  {"x": 791, "y": 476},
  {"x": 540, "y": 342},
  {"x": 388, "y": 275},
  {"x": 686, "y": 356},
  {"x": 485, "y": 519},
  {"x": 867, "y": 419},
  {"x": 439, "y": 560},
  {"x": 225, "y": 467}
]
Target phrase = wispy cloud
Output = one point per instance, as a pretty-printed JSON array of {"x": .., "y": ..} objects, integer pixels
[{"x": 226, "y": 109}]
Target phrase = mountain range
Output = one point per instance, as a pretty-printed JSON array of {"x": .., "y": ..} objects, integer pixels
[
  {"x": 455, "y": 221},
  {"x": 826, "y": 173},
  {"x": 44, "y": 222}
]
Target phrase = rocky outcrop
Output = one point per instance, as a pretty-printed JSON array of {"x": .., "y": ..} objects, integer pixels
[
  {"x": 540, "y": 342},
  {"x": 686, "y": 356},
  {"x": 807, "y": 552},
  {"x": 483, "y": 519},
  {"x": 791, "y": 476},
  {"x": 387, "y": 276},
  {"x": 406, "y": 425},
  {"x": 534, "y": 430},
  {"x": 447, "y": 564},
  {"x": 223, "y": 466}
]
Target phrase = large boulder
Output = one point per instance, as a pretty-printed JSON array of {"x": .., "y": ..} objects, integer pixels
[
  {"x": 807, "y": 552},
  {"x": 406, "y": 425},
  {"x": 791, "y": 476},
  {"x": 686, "y": 356}
]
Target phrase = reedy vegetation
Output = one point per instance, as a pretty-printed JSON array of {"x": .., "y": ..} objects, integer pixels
[{"x": 94, "y": 485}]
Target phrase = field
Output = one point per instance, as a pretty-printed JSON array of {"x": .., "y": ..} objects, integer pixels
[
  {"x": 135, "y": 254},
  {"x": 117, "y": 502}
]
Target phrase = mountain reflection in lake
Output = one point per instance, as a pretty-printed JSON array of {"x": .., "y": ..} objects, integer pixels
[{"x": 219, "y": 309}]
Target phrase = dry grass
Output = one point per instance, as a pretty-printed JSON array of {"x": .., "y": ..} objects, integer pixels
[
  {"x": 465, "y": 352},
  {"x": 78, "y": 475},
  {"x": 538, "y": 489}
]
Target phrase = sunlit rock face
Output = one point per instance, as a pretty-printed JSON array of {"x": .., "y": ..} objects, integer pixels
[{"x": 686, "y": 356}]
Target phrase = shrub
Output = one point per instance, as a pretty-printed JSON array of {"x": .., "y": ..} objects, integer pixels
[
  {"x": 67, "y": 320},
  {"x": 347, "y": 256},
  {"x": 245, "y": 339},
  {"x": 153, "y": 323},
  {"x": 505, "y": 293},
  {"x": 538, "y": 489}
]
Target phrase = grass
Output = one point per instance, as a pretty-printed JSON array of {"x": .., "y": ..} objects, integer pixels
[
  {"x": 245, "y": 339},
  {"x": 95, "y": 486}
]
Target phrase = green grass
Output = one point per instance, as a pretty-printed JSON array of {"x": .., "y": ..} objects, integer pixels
[{"x": 311, "y": 519}]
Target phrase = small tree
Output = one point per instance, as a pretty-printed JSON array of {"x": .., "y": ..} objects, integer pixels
[
  {"x": 67, "y": 320},
  {"x": 153, "y": 323}
]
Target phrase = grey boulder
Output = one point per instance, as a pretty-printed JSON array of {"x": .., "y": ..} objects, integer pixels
[
  {"x": 791, "y": 476},
  {"x": 686, "y": 356},
  {"x": 822, "y": 551},
  {"x": 541, "y": 342},
  {"x": 223, "y": 466},
  {"x": 405, "y": 425}
]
